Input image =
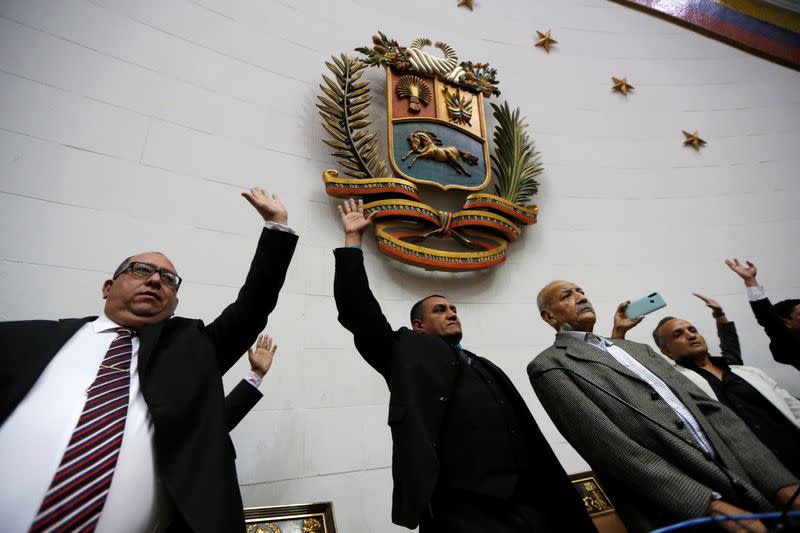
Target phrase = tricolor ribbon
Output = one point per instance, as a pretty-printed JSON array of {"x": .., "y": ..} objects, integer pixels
[{"x": 484, "y": 227}]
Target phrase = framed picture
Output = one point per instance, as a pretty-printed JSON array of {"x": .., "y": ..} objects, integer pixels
[
  {"x": 302, "y": 518},
  {"x": 592, "y": 495},
  {"x": 769, "y": 28},
  {"x": 597, "y": 504}
]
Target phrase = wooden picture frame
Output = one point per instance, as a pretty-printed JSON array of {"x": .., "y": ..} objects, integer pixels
[
  {"x": 597, "y": 503},
  {"x": 300, "y": 518},
  {"x": 591, "y": 493}
]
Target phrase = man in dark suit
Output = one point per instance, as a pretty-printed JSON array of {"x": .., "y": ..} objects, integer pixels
[
  {"x": 467, "y": 454},
  {"x": 118, "y": 423},
  {"x": 663, "y": 449},
  {"x": 781, "y": 322}
]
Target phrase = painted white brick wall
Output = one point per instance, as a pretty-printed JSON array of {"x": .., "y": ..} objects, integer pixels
[{"x": 133, "y": 125}]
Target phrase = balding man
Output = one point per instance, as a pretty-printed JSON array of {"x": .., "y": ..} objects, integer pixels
[
  {"x": 117, "y": 422},
  {"x": 664, "y": 450}
]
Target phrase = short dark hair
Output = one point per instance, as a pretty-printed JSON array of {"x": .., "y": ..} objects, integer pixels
[
  {"x": 784, "y": 308},
  {"x": 122, "y": 266},
  {"x": 416, "y": 309},
  {"x": 656, "y": 336}
]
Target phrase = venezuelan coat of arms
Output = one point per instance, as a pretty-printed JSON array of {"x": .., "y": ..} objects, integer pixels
[{"x": 436, "y": 139}]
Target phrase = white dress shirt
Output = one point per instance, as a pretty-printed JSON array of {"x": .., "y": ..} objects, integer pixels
[
  {"x": 34, "y": 437},
  {"x": 629, "y": 362},
  {"x": 253, "y": 379},
  {"x": 756, "y": 293}
]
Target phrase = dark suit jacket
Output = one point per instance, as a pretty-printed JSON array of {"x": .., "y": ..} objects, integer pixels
[
  {"x": 784, "y": 345},
  {"x": 653, "y": 477},
  {"x": 239, "y": 401},
  {"x": 421, "y": 371},
  {"x": 181, "y": 361}
]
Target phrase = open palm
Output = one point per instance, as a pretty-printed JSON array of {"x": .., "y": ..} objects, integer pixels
[
  {"x": 744, "y": 272},
  {"x": 352, "y": 215}
]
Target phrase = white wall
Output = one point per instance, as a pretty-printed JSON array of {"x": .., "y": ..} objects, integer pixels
[{"x": 130, "y": 125}]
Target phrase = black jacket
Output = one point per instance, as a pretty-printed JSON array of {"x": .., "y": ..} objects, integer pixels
[
  {"x": 181, "y": 361},
  {"x": 239, "y": 401},
  {"x": 421, "y": 371},
  {"x": 784, "y": 345}
]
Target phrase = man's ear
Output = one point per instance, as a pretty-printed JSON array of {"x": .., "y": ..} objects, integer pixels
[
  {"x": 787, "y": 322},
  {"x": 416, "y": 325},
  {"x": 106, "y": 288},
  {"x": 548, "y": 317}
]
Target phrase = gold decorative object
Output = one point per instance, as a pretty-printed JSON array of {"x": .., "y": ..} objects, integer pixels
[
  {"x": 515, "y": 161},
  {"x": 311, "y": 525},
  {"x": 424, "y": 63},
  {"x": 622, "y": 85},
  {"x": 594, "y": 499},
  {"x": 693, "y": 139},
  {"x": 345, "y": 117},
  {"x": 544, "y": 40},
  {"x": 440, "y": 143},
  {"x": 426, "y": 145},
  {"x": 465, "y": 3},
  {"x": 416, "y": 90},
  {"x": 459, "y": 108},
  {"x": 307, "y": 517}
]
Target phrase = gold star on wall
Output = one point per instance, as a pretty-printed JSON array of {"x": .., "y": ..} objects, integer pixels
[
  {"x": 622, "y": 85},
  {"x": 693, "y": 139},
  {"x": 545, "y": 41},
  {"x": 465, "y": 3}
]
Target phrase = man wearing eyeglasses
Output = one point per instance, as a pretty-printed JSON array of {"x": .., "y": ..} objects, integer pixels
[{"x": 118, "y": 422}]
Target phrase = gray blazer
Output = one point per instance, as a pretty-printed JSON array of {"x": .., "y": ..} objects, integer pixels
[{"x": 653, "y": 477}]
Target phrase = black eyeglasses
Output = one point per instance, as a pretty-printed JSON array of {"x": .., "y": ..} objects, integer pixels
[{"x": 145, "y": 270}]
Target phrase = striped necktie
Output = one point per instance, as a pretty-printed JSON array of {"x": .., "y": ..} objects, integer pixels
[{"x": 79, "y": 488}]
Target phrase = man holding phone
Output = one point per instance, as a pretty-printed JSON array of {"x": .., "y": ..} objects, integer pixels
[
  {"x": 664, "y": 451},
  {"x": 770, "y": 411}
]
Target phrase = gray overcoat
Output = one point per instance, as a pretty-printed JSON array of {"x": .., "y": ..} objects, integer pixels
[{"x": 653, "y": 477}]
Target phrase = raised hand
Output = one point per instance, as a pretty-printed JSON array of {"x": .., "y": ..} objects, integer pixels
[
  {"x": 268, "y": 205},
  {"x": 711, "y": 304},
  {"x": 622, "y": 322},
  {"x": 747, "y": 273},
  {"x": 261, "y": 357},
  {"x": 354, "y": 223}
]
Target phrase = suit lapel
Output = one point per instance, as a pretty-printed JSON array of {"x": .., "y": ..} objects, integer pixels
[
  {"x": 585, "y": 351},
  {"x": 68, "y": 328},
  {"x": 148, "y": 338},
  {"x": 28, "y": 359}
]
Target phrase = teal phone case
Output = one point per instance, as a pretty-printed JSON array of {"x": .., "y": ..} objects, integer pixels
[{"x": 645, "y": 305}]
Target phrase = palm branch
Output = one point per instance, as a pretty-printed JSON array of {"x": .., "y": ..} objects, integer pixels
[
  {"x": 344, "y": 108},
  {"x": 515, "y": 161}
]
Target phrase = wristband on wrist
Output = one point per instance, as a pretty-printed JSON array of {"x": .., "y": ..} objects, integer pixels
[{"x": 718, "y": 313}]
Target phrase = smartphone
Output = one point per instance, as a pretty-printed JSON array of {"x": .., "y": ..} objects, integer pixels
[{"x": 644, "y": 305}]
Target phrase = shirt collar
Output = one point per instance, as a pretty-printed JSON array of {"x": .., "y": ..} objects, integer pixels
[
  {"x": 103, "y": 324},
  {"x": 581, "y": 336}
]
